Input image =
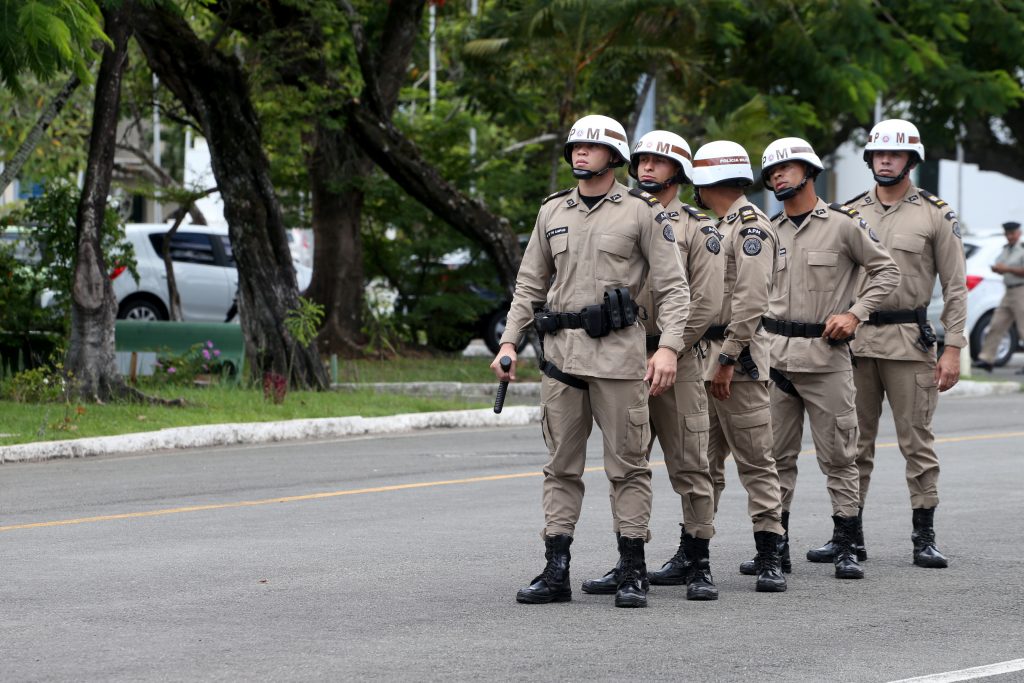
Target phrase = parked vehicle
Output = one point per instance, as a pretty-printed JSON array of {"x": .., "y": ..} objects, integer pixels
[
  {"x": 204, "y": 272},
  {"x": 985, "y": 290}
]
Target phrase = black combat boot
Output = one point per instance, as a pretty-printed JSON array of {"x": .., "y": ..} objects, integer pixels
[
  {"x": 768, "y": 563},
  {"x": 844, "y": 557},
  {"x": 607, "y": 584},
  {"x": 699, "y": 584},
  {"x": 826, "y": 553},
  {"x": 925, "y": 552},
  {"x": 749, "y": 567},
  {"x": 553, "y": 583},
  {"x": 675, "y": 571},
  {"x": 632, "y": 590}
]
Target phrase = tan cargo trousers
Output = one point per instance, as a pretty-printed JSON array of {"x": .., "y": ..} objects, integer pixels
[
  {"x": 742, "y": 425},
  {"x": 913, "y": 394},
  {"x": 1010, "y": 309},
  {"x": 567, "y": 417},
  {"x": 828, "y": 399}
]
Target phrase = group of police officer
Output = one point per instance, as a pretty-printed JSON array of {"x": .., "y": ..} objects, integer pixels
[{"x": 716, "y": 335}]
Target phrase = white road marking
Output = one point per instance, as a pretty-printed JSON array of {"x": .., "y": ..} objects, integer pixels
[{"x": 969, "y": 674}]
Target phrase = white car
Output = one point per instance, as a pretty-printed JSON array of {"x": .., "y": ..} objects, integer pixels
[
  {"x": 204, "y": 271},
  {"x": 985, "y": 290}
]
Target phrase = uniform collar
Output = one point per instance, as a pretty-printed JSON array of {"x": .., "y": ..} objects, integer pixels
[
  {"x": 912, "y": 196},
  {"x": 733, "y": 214},
  {"x": 674, "y": 209},
  {"x": 615, "y": 194}
]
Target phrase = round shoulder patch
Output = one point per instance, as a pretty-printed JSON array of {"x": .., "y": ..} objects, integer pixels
[
  {"x": 751, "y": 246},
  {"x": 872, "y": 235},
  {"x": 668, "y": 233},
  {"x": 956, "y": 229},
  {"x": 713, "y": 245}
]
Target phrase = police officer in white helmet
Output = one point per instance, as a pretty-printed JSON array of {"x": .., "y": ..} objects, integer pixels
[
  {"x": 895, "y": 349},
  {"x": 679, "y": 417},
  {"x": 739, "y": 355},
  {"x": 592, "y": 249},
  {"x": 822, "y": 249}
]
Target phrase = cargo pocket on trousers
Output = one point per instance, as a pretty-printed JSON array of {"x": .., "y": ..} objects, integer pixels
[
  {"x": 926, "y": 396},
  {"x": 695, "y": 444},
  {"x": 753, "y": 432},
  {"x": 638, "y": 433},
  {"x": 845, "y": 450}
]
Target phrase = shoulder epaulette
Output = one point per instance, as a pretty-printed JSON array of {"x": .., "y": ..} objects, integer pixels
[
  {"x": 556, "y": 195},
  {"x": 842, "y": 208},
  {"x": 776, "y": 216},
  {"x": 857, "y": 198},
  {"x": 748, "y": 214},
  {"x": 699, "y": 215},
  {"x": 646, "y": 196},
  {"x": 932, "y": 198}
]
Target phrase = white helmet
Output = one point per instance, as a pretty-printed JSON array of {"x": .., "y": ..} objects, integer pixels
[
  {"x": 894, "y": 135},
  {"x": 601, "y": 130},
  {"x": 664, "y": 144},
  {"x": 789, "y": 149},
  {"x": 722, "y": 161}
]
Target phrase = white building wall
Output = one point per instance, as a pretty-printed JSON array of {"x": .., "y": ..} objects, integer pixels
[{"x": 199, "y": 174}]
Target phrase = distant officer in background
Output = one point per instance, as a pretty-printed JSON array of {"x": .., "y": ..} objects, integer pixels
[
  {"x": 592, "y": 250},
  {"x": 894, "y": 351},
  {"x": 822, "y": 248},
  {"x": 739, "y": 354},
  {"x": 1010, "y": 265},
  {"x": 679, "y": 417}
]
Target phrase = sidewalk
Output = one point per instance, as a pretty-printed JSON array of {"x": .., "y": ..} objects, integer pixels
[{"x": 212, "y": 436}]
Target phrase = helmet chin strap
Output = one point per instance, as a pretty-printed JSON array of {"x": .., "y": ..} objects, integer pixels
[
  {"x": 887, "y": 181},
  {"x": 652, "y": 186},
  {"x": 790, "y": 192},
  {"x": 585, "y": 174},
  {"x": 697, "y": 198}
]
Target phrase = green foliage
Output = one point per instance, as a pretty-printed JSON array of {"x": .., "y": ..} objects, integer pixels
[
  {"x": 202, "y": 358},
  {"x": 47, "y": 37},
  {"x": 21, "y": 288},
  {"x": 50, "y": 220},
  {"x": 303, "y": 321}
]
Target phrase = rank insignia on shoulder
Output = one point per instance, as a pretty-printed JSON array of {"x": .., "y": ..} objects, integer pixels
[
  {"x": 713, "y": 245},
  {"x": 932, "y": 198},
  {"x": 842, "y": 208},
  {"x": 751, "y": 246},
  {"x": 748, "y": 215},
  {"x": 646, "y": 196},
  {"x": 754, "y": 232},
  {"x": 557, "y": 231},
  {"x": 555, "y": 195},
  {"x": 695, "y": 213}
]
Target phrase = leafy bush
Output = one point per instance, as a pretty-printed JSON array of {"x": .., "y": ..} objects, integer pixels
[{"x": 203, "y": 358}]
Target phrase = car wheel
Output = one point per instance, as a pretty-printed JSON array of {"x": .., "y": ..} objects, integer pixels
[
  {"x": 494, "y": 327},
  {"x": 141, "y": 309},
  {"x": 1007, "y": 345}
]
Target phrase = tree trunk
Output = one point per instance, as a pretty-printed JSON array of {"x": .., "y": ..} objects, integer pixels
[
  {"x": 90, "y": 361},
  {"x": 46, "y": 117},
  {"x": 213, "y": 89}
]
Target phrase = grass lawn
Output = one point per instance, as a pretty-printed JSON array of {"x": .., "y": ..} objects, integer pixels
[{"x": 25, "y": 423}]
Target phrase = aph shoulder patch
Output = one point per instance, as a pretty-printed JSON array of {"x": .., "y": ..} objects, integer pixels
[
  {"x": 856, "y": 199},
  {"x": 932, "y": 198},
  {"x": 842, "y": 208},
  {"x": 556, "y": 195},
  {"x": 711, "y": 230},
  {"x": 748, "y": 214},
  {"x": 646, "y": 196},
  {"x": 754, "y": 232},
  {"x": 700, "y": 215}
]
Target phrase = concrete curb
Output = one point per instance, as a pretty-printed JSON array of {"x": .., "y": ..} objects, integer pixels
[{"x": 209, "y": 436}]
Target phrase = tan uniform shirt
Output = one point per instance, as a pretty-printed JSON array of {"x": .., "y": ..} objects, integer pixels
[
  {"x": 751, "y": 250},
  {"x": 575, "y": 254},
  {"x": 922, "y": 234},
  {"x": 1014, "y": 258},
  {"x": 699, "y": 249},
  {"x": 818, "y": 264}
]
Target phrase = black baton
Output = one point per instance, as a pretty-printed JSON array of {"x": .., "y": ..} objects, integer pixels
[{"x": 499, "y": 398}]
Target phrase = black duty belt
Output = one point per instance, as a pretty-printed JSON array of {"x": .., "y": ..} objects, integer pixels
[
  {"x": 914, "y": 315},
  {"x": 715, "y": 333},
  {"x": 792, "y": 328},
  {"x": 653, "y": 342}
]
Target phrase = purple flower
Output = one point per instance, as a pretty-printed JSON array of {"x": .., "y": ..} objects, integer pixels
[
  {"x": 171, "y": 371},
  {"x": 206, "y": 354},
  {"x": 209, "y": 344},
  {"x": 216, "y": 352}
]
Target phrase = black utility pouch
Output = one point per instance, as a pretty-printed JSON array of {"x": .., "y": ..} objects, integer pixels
[
  {"x": 545, "y": 322},
  {"x": 594, "y": 320},
  {"x": 621, "y": 309}
]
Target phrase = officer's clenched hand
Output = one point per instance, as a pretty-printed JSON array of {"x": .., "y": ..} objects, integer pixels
[
  {"x": 661, "y": 370},
  {"x": 840, "y": 326},
  {"x": 505, "y": 350},
  {"x": 947, "y": 369},
  {"x": 721, "y": 381}
]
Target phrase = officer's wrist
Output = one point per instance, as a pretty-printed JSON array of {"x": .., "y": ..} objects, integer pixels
[{"x": 725, "y": 359}]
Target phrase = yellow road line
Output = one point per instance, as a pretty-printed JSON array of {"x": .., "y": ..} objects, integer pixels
[{"x": 395, "y": 487}]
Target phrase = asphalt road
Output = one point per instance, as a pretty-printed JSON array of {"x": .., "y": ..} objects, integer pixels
[{"x": 227, "y": 565}]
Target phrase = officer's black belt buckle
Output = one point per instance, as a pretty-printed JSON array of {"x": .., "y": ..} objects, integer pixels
[
  {"x": 793, "y": 328},
  {"x": 715, "y": 333}
]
